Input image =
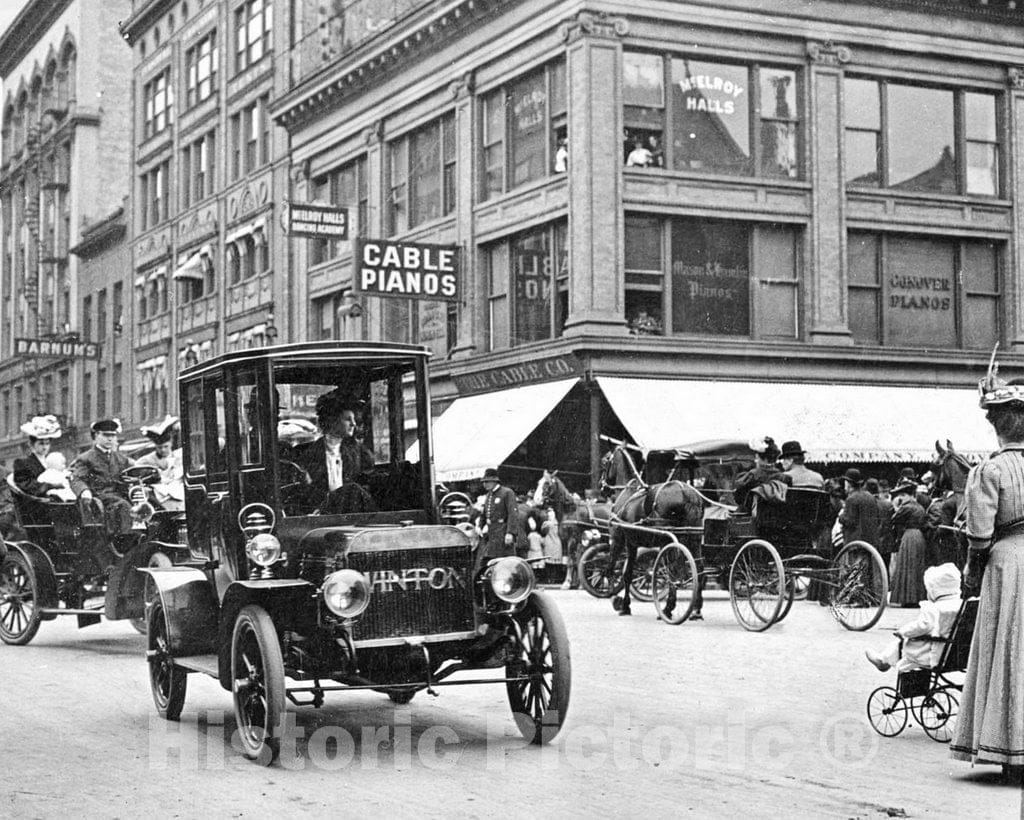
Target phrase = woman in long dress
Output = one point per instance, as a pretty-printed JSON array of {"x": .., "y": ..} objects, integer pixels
[
  {"x": 909, "y": 561},
  {"x": 990, "y": 728}
]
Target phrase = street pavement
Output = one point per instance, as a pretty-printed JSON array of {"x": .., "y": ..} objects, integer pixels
[{"x": 701, "y": 720}]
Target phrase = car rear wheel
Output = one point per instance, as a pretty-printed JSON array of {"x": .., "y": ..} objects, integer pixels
[
  {"x": 167, "y": 681},
  {"x": 540, "y": 698},
  {"x": 257, "y": 676},
  {"x": 19, "y": 612}
]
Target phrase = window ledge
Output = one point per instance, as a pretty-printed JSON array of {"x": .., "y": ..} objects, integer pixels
[
  {"x": 927, "y": 196},
  {"x": 724, "y": 179}
]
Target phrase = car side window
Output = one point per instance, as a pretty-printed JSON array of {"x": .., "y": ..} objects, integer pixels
[
  {"x": 218, "y": 462},
  {"x": 195, "y": 458},
  {"x": 249, "y": 429}
]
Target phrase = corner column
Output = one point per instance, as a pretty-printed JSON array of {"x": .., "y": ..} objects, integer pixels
[
  {"x": 1014, "y": 295},
  {"x": 594, "y": 75},
  {"x": 829, "y": 300},
  {"x": 473, "y": 303}
]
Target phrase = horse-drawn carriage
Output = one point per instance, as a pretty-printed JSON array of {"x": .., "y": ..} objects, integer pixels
[
  {"x": 700, "y": 535},
  {"x": 68, "y": 564}
]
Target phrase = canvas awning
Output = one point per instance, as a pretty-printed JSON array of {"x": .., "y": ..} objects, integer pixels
[
  {"x": 477, "y": 432},
  {"x": 834, "y": 422}
]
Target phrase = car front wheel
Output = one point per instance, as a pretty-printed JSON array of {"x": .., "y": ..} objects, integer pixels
[
  {"x": 540, "y": 670},
  {"x": 257, "y": 675}
]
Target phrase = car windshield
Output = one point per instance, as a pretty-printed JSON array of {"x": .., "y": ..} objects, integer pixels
[{"x": 342, "y": 434}]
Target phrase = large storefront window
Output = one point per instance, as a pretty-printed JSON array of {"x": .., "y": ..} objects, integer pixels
[
  {"x": 908, "y": 291},
  {"x": 921, "y": 139},
  {"x": 719, "y": 117},
  {"x": 722, "y": 278},
  {"x": 523, "y": 125},
  {"x": 529, "y": 286}
]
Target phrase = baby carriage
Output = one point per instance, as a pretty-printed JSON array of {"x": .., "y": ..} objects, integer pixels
[{"x": 929, "y": 695}]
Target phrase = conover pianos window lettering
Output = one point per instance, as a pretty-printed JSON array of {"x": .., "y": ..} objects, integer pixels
[{"x": 407, "y": 270}]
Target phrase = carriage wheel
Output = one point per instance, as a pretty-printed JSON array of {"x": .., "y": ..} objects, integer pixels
[
  {"x": 936, "y": 713},
  {"x": 757, "y": 585},
  {"x": 167, "y": 681},
  {"x": 541, "y": 652},
  {"x": 597, "y": 576},
  {"x": 859, "y": 586},
  {"x": 674, "y": 583},
  {"x": 257, "y": 675},
  {"x": 19, "y": 594},
  {"x": 887, "y": 711},
  {"x": 643, "y": 574}
]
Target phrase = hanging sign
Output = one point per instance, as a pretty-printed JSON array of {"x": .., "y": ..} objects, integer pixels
[
  {"x": 315, "y": 221},
  {"x": 406, "y": 270},
  {"x": 56, "y": 349}
]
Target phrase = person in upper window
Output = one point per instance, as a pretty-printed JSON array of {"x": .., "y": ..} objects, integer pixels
[
  {"x": 640, "y": 156},
  {"x": 336, "y": 458}
]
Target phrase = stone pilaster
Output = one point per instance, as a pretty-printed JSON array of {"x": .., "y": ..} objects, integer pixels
[
  {"x": 594, "y": 72},
  {"x": 1012, "y": 285},
  {"x": 373, "y": 310},
  {"x": 828, "y": 298},
  {"x": 473, "y": 306}
]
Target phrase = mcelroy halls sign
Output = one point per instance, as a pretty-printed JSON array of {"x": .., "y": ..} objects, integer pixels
[
  {"x": 59, "y": 349},
  {"x": 406, "y": 270}
]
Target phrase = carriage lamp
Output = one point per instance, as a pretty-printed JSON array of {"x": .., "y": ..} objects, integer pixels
[
  {"x": 347, "y": 593},
  {"x": 263, "y": 549},
  {"x": 511, "y": 579}
]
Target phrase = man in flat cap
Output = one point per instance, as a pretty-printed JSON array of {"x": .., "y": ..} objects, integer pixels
[
  {"x": 170, "y": 491},
  {"x": 96, "y": 472}
]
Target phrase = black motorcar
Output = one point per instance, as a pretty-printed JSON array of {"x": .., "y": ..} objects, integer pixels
[{"x": 302, "y": 591}]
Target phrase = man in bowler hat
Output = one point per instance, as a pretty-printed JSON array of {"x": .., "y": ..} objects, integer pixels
[
  {"x": 792, "y": 458},
  {"x": 500, "y": 520}
]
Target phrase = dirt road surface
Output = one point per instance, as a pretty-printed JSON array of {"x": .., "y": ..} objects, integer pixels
[{"x": 699, "y": 720}]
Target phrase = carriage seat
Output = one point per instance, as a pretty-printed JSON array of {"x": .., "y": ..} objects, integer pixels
[{"x": 796, "y": 521}]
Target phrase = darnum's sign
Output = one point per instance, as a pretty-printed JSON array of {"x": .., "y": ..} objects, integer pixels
[{"x": 56, "y": 349}]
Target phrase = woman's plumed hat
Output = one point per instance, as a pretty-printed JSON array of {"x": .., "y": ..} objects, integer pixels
[
  {"x": 161, "y": 432},
  {"x": 994, "y": 391},
  {"x": 42, "y": 427}
]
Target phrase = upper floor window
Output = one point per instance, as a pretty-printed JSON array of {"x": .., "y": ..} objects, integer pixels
[
  {"x": 915, "y": 138},
  {"x": 347, "y": 187},
  {"x": 699, "y": 115},
  {"x": 706, "y": 276},
  {"x": 197, "y": 170},
  {"x": 195, "y": 273},
  {"x": 201, "y": 64},
  {"x": 155, "y": 195},
  {"x": 157, "y": 99},
  {"x": 250, "y": 137},
  {"x": 528, "y": 286},
  {"x": 421, "y": 172},
  {"x": 248, "y": 256},
  {"x": 524, "y": 125},
  {"x": 254, "y": 22}
]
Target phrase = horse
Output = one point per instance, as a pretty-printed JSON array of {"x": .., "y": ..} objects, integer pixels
[
  {"x": 950, "y": 470},
  {"x": 671, "y": 503}
]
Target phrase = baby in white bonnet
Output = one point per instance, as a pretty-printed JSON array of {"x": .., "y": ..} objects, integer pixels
[{"x": 57, "y": 476}]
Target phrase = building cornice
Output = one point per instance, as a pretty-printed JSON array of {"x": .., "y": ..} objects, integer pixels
[
  {"x": 101, "y": 235},
  {"x": 142, "y": 18},
  {"x": 371, "y": 62},
  {"x": 28, "y": 28}
]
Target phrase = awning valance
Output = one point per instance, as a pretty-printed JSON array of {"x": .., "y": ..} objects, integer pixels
[
  {"x": 477, "y": 432},
  {"x": 834, "y": 422}
]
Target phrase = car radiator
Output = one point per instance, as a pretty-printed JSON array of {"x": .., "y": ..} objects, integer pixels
[{"x": 415, "y": 592}]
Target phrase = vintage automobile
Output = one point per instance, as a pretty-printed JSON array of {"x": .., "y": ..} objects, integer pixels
[
  {"x": 299, "y": 591},
  {"x": 67, "y": 563}
]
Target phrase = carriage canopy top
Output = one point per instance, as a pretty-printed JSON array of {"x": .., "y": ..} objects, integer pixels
[{"x": 834, "y": 422}]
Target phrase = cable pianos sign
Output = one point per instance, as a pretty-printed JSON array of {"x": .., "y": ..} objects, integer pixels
[
  {"x": 406, "y": 270},
  {"x": 57, "y": 349}
]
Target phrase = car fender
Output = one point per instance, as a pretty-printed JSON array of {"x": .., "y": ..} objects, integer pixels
[
  {"x": 189, "y": 602},
  {"x": 289, "y": 602},
  {"x": 46, "y": 574},
  {"x": 126, "y": 583}
]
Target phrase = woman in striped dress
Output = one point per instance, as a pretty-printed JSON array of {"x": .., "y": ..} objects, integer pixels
[{"x": 990, "y": 728}]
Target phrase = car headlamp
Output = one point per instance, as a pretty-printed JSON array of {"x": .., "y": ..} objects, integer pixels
[
  {"x": 263, "y": 549},
  {"x": 347, "y": 593},
  {"x": 511, "y": 579}
]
